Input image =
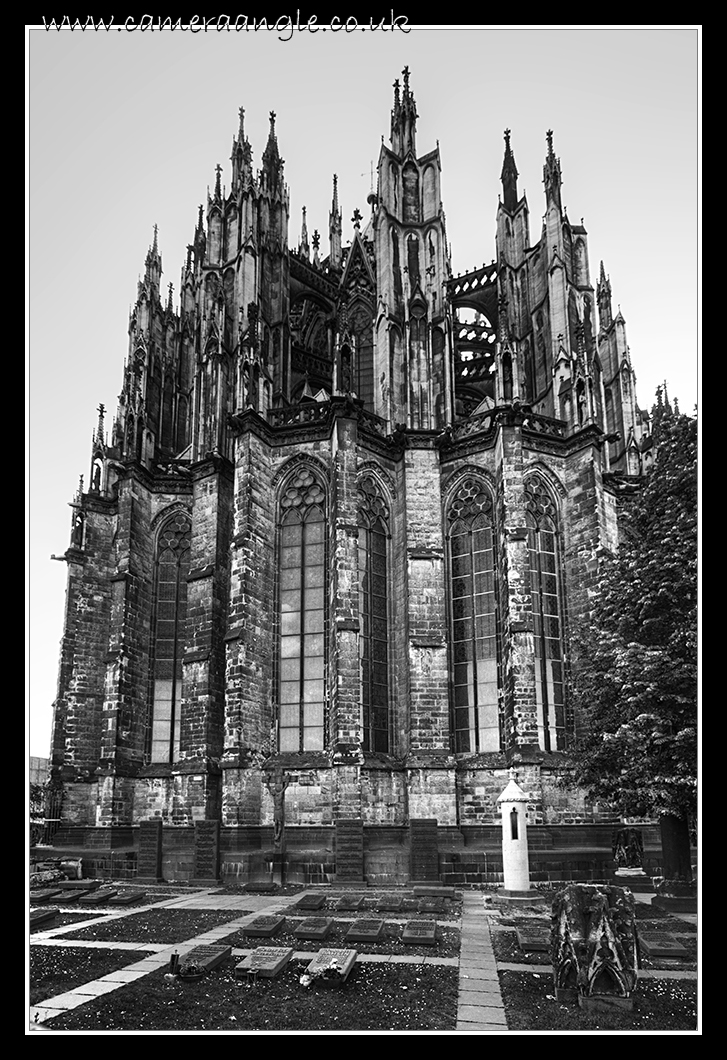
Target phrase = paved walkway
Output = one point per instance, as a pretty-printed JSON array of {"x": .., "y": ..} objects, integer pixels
[{"x": 480, "y": 1007}]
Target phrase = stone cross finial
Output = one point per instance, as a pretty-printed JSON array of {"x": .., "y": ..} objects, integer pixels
[{"x": 357, "y": 218}]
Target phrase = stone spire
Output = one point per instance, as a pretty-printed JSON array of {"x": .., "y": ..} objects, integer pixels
[
  {"x": 509, "y": 177},
  {"x": 304, "y": 246},
  {"x": 551, "y": 174},
  {"x": 603, "y": 297},
  {"x": 335, "y": 227},
  {"x": 153, "y": 265},
  {"x": 272, "y": 167},
  {"x": 403, "y": 119},
  {"x": 100, "y": 430}
]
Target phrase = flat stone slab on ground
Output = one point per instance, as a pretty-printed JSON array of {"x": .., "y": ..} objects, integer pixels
[
  {"x": 311, "y": 901},
  {"x": 44, "y": 894},
  {"x": 420, "y": 932},
  {"x": 265, "y": 961},
  {"x": 207, "y": 957},
  {"x": 390, "y": 905},
  {"x": 78, "y": 885},
  {"x": 260, "y": 888},
  {"x": 349, "y": 902},
  {"x": 40, "y": 916},
  {"x": 533, "y": 938},
  {"x": 432, "y": 905},
  {"x": 264, "y": 927},
  {"x": 345, "y": 959},
  {"x": 365, "y": 931},
  {"x": 99, "y": 897},
  {"x": 128, "y": 897},
  {"x": 426, "y": 891},
  {"x": 660, "y": 944},
  {"x": 673, "y": 904},
  {"x": 605, "y": 1003},
  {"x": 314, "y": 927}
]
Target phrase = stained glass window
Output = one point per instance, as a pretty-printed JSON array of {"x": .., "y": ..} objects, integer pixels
[
  {"x": 302, "y": 613},
  {"x": 373, "y": 611},
  {"x": 474, "y": 620},
  {"x": 545, "y": 588},
  {"x": 172, "y": 567}
]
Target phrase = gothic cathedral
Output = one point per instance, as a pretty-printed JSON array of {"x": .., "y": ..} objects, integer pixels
[{"x": 347, "y": 513}]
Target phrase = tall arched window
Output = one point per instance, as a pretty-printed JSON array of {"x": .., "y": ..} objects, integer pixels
[
  {"x": 474, "y": 668},
  {"x": 172, "y": 567},
  {"x": 302, "y": 613},
  {"x": 373, "y": 519},
  {"x": 544, "y": 550}
]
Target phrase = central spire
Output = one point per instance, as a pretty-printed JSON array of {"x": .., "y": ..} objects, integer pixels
[
  {"x": 509, "y": 176},
  {"x": 551, "y": 173},
  {"x": 403, "y": 119}
]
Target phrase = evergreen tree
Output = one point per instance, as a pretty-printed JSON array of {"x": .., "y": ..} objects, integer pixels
[{"x": 634, "y": 667}]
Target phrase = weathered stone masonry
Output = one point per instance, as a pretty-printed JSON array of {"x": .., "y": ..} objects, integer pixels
[{"x": 287, "y": 381}]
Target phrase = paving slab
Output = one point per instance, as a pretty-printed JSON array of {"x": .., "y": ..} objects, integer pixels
[
  {"x": 482, "y": 1014},
  {"x": 488, "y": 987}
]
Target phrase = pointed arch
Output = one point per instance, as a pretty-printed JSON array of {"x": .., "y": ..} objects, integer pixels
[
  {"x": 545, "y": 550},
  {"x": 302, "y": 608},
  {"x": 474, "y": 615},
  {"x": 373, "y": 566},
  {"x": 171, "y": 566}
]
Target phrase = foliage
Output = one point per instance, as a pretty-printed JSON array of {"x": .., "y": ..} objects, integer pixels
[{"x": 634, "y": 665}]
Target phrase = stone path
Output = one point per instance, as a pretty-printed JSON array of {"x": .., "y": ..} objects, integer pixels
[{"x": 480, "y": 1006}]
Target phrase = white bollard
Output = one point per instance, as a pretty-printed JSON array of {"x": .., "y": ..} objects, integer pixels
[{"x": 515, "y": 864}]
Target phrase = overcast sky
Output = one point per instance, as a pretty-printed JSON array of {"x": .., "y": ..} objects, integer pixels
[{"x": 125, "y": 130}]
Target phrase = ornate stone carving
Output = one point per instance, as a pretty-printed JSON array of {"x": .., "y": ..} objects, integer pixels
[{"x": 593, "y": 944}]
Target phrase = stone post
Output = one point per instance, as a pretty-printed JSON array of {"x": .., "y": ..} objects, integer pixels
[{"x": 515, "y": 863}]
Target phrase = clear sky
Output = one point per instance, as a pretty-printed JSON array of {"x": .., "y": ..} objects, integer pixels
[{"x": 125, "y": 130}]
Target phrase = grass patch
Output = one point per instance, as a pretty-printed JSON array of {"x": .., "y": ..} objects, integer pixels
[
  {"x": 164, "y": 926},
  {"x": 397, "y": 997},
  {"x": 507, "y": 949},
  {"x": 659, "y": 1005},
  {"x": 56, "y": 969}
]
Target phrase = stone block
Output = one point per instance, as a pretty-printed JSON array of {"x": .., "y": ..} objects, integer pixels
[
  {"x": 127, "y": 897},
  {"x": 43, "y": 895},
  {"x": 345, "y": 959},
  {"x": 597, "y": 1003},
  {"x": 41, "y": 916},
  {"x": 314, "y": 927},
  {"x": 264, "y": 926},
  {"x": 207, "y": 957},
  {"x": 534, "y": 938},
  {"x": 420, "y": 932},
  {"x": 99, "y": 897},
  {"x": 661, "y": 944},
  {"x": 432, "y": 891},
  {"x": 349, "y": 903},
  {"x": 311, "y": 901},
  {"x": 365, "y": 931},
  {"x": 390, "y": 905},
  {"x": 265, "y": 961}
]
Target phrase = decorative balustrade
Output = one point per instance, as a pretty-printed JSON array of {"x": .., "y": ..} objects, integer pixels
[
  {"x": 373, "y": 423},
  {"x": 533, "y": 421},
  {"x": 295, "y": 415},
  {"x": 480, "y": 424}
]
